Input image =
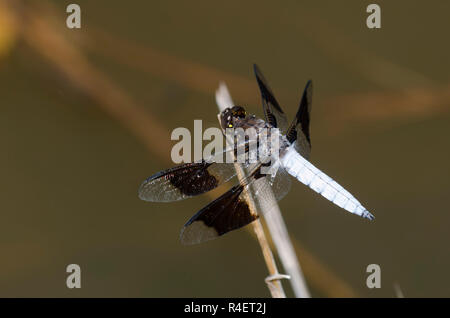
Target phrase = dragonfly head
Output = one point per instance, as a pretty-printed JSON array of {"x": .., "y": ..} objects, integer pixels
[{"x": 229, "y": 115}]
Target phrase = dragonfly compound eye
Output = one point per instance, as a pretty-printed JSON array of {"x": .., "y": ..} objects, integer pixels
[
  {"x": 239, "y": 111},
  {"x": 226, "y": 118}
]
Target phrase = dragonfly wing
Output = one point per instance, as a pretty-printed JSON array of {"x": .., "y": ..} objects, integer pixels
[
  {"x": 281, "y": 184},
  {"x": 298, "y": 132},
  {"x": 185, "y": 181},
  {"x": 232, "y": 210},
  {"x": 190, "y": 179},
  {"x": 272, "y": 111},
  {"x": 228, "y": 212}
]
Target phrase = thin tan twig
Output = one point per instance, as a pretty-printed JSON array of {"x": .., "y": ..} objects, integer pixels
[
  {"x": 398, "y": 291},
  {"x": 274, "y": 220},
  {"x": 223, "y": 100}
]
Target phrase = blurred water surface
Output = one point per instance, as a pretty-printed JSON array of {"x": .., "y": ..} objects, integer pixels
[{"x": 71, "y": 170}]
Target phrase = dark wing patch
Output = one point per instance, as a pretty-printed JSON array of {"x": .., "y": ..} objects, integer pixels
[
  {"x": 231, "y": 210},
  {"x": 298, "y": 132},
  {"x": 228, "y": 212},
  {"x": 191, "y": 182},
  {"x": 273, "y": 113},
  {"x": 185, "y": 181}
]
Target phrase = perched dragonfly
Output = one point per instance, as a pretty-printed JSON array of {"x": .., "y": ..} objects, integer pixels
[{"x": 231, "y": 210}]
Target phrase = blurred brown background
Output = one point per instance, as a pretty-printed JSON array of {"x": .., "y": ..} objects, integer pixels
[{"x": 86, "y": 115}]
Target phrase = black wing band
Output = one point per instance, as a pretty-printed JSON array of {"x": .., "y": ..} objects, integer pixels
[
  {"x": 185, "y": 181},
  {"x": 231, "y": 210},
  {"x": 228, "y": 212},
  {"x": 273, "y": 113},
  {"x": 298, "y": 131},
  {"x": 190, "y": 179}
]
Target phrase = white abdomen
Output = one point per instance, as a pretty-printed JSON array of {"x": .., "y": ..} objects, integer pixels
[{"x": 305, "y": 172}]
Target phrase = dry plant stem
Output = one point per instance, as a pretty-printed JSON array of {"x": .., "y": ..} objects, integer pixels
[
  {"x": 223, "y": 100},
  {"x": 275, "y": 223},
  {"x": 286, "y": 252},
  {"x": 275, "y": 288},
  {"x": 398, "y": 291}
]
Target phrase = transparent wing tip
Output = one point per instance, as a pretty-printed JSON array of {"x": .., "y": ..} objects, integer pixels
[
  {"x": 196, "y": 232},
  {"x": 145, "y": 193},
  {"x": 141, "y": 189}
]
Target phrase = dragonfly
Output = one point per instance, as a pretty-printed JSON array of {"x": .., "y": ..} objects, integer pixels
[{"x": 232, "y": 210}]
